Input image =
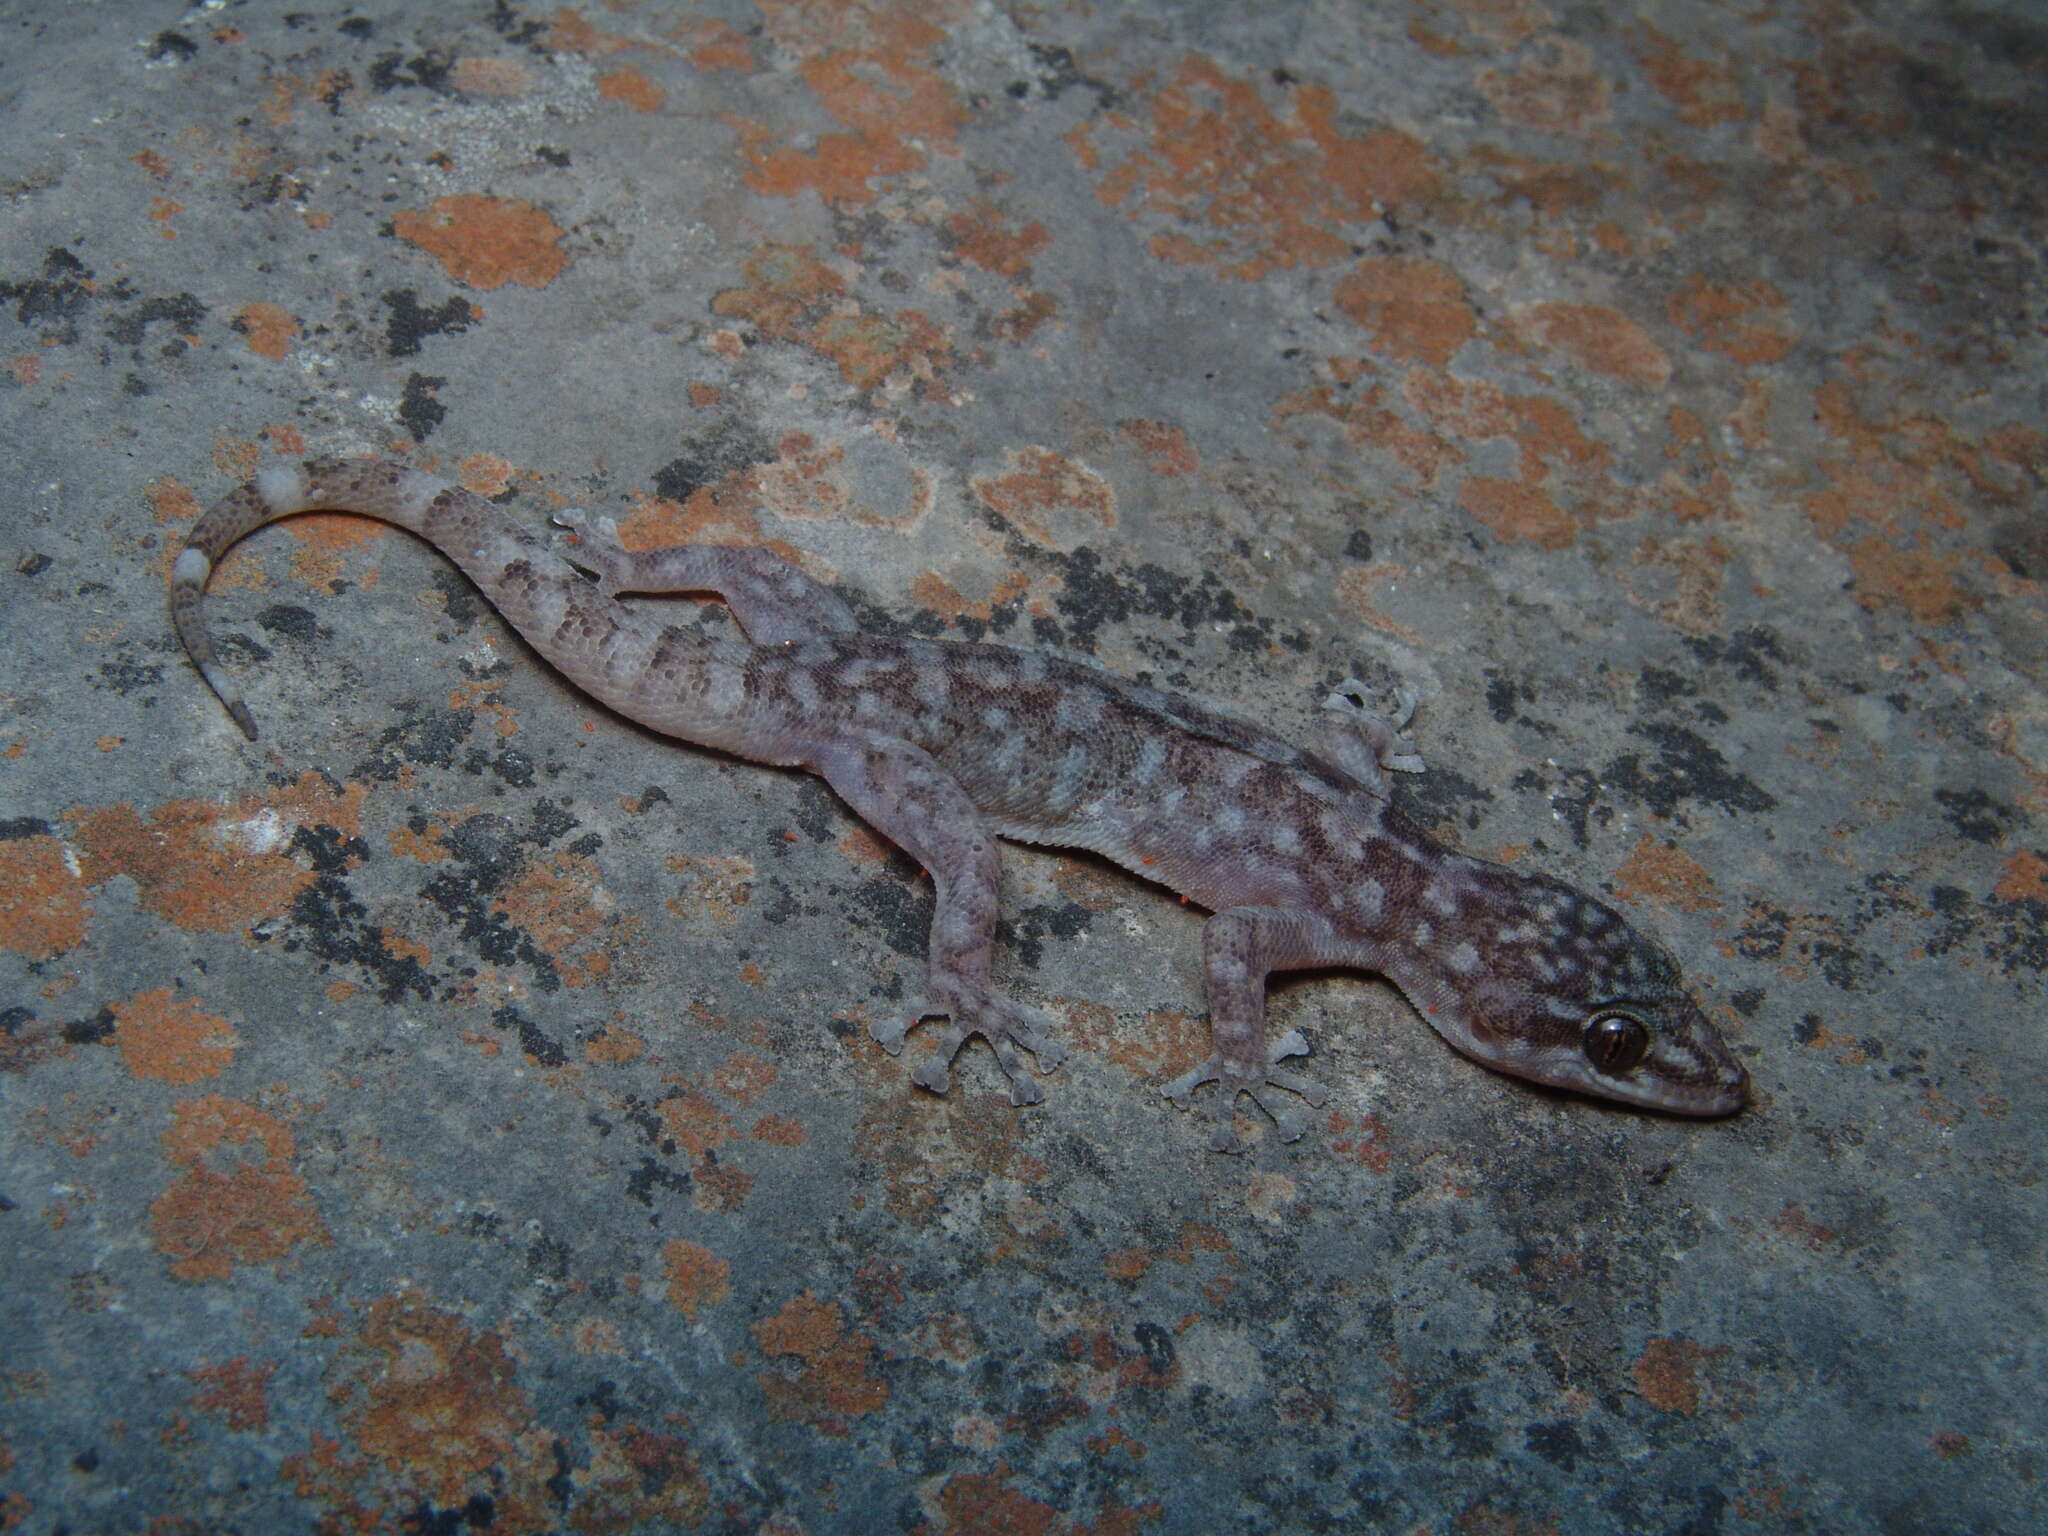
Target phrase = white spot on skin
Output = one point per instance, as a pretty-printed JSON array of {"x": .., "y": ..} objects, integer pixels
[
  {"x": 804, "y": 689},
  {"x": 416, "y": 491},
  {"x": 1424, "y": 936},
  {"x": 282, "y": 486},
  {"x": 1439, "y": 896},
  {"x": 1369, "y": 898},
  {"x": 933, "y": 688},
  {"x": 1463, "y": 960},
  {"x": 1230, "y": 819},
  {"x": 996, "y": 719},
  {"x": 1078, "y": 710},
  {"x": 1284, "y": 839},
  {"x": 1151, "y": 759},
  {"x": 192, "y": 567}
]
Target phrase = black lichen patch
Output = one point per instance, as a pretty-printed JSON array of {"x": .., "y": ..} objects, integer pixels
[
  {"x": 423, "y": 71},
  {"x": 1092, "y": 595},
  {"x": 427, "y": 738},
  {"x": 1686, "y": 768},
  {"x": 1026, "y": 930},
  {"x": 124, "y": 675},
  {"x": 54, "y": 300},
  {"x": 489, "y": 855},
  {"x": 1754, "y": 654},
  {"x": 533, "y": 1040},
  {"x": 182, "y": 312},
  {"x": 408, "y": 322},
  {"x": 708, "y": 457},
  {"x": 328, "y": 921},
  {"x": 1975, "y": 815},
  {"x": 901, "y": 910},
  {"x": 418, "y": 411}
]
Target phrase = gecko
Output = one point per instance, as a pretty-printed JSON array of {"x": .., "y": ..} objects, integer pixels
[{"x": 1299, "y": 855}]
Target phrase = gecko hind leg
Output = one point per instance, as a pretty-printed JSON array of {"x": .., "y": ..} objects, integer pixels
[
  {"x": 1368, "y": 745},
  {"x": 898, "y": 789}
]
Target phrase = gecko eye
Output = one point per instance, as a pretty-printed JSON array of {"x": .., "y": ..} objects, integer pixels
[{"x": 1615, "y": 1042}]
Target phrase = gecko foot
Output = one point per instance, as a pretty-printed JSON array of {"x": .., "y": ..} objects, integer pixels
[
  {"x": 1003, "y": 1023},
  {"x": 1365, "y": 744},
  {"x": 591, "y": 544},
  {"x": 1232, "y": 1081}
]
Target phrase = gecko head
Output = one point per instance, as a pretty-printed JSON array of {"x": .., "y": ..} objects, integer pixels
[{"x": 1567, "y": 994}]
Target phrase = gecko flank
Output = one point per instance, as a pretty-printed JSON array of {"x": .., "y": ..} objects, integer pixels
[{"x": 944, "y": 747}]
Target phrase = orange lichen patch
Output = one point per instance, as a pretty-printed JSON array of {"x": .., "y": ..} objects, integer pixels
[
  {"x": 720, "y": 513},
  {"x": 720, "y": 886},
  {"x": 43, "y": 910},
  {"x": 1794, "y": 1223},
  {"x": 438, "y": 1404},
  {"x": 696, "y": 1277},
  {"x": 1705, "y": 91},
  {"x": 1367, "y": 420},
  {"x": 1663, "y": 875},
  {"x": 1056, "y": 500},
  {"x": 932, "y": 592},
  {"x": 632, "y": 87},
  {"x": 983, "y": 1504},
  {"x": 171, "y": 501},
  {"x": 266, "y": 328},
  {"x": 792, "y": 296},
  {"x": 1667, "y": 1373},
  {"x": 1166, "y": 448},
  {"x": 238, "y": 1390},
  {"x": 1555, "y": 89},
  {"x": 1696, "y": 569},
  {"x": 562, "y": 903},
  {"x": 1415, "y": 310},
  {"x": 478, "y": 75},
  {"x": 639, "y": 1480},
  {"x": 1165, "y": 1042},
  {"x": 487, "y": 242},
  {"x": 780, "y": 1131},
  {"x": 1517, "y": 513},
  {"x": 614, "y": 1047},
  {"x": 1921, "y": 580},
  {"x": 1597, "y": 338},
  {"x": 2023, "y": 877},
  {"x": 714, "y": 44},
  {"x": 694, "y": 1121},
  {"x": 978, "y": 234},
  {"x": 1742, "y": 320},
  {"x": 214, "y": 868},
  {"x": 812, "y": 483},
  {"x": 1354, "y": 591},
  {"x": 165, "y": 1036},
  {"x": 1250, "y": 190},
  {"x": 833, "y": 1384},
  {"x": 1367, "y": 1141},
  {"x": 744, "y": 1076},
  {"x": 485, "y": 474},
  {"x": 872, "y": 68},
  {"x": 257, "y": 1213}
]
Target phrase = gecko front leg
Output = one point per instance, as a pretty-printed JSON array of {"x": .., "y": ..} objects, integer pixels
[
  {"x": 1241, "y": 947},
  {"x": 1365, "y": 744},
  {"x": 772, "y": 599},
  {"x": 898, "y": 789}
]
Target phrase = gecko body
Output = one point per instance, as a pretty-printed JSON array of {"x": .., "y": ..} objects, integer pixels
[{"x": 944, "y": 747}]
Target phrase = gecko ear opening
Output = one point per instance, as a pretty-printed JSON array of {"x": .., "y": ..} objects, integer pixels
[{"x": 1615, "y": 1042}]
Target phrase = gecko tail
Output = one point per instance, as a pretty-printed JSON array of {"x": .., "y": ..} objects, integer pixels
[{"x": 388, "y": 492}]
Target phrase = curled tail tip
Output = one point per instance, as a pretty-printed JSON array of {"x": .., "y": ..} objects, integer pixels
[{"x": 239, "y": 712}]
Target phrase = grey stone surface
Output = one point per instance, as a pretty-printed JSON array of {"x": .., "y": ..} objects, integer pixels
[{"x": 454, "y": 1111}]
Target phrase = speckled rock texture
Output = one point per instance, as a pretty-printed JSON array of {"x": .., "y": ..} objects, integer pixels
[{"x": 455, "y": 1111}]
